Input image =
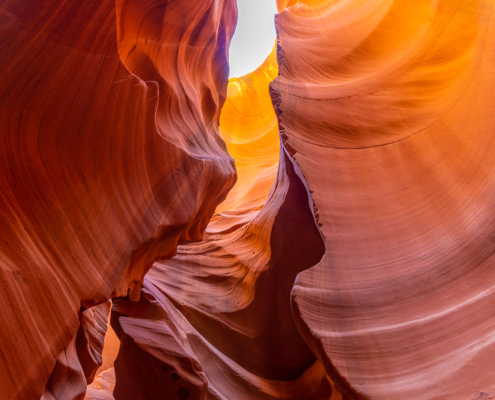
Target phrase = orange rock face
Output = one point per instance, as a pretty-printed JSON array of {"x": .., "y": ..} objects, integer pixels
[
  {"x": 320, "y": 229},
  {"x": 387, "y": 108},
  {"x": 249, "y": 127}
]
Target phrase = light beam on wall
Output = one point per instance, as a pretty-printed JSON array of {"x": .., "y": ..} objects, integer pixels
[{"x": 254, "y": 36}]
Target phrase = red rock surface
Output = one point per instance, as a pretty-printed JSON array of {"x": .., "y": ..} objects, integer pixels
[
  {"x": 110, "y": 155},
  {"x": 216, "y": 321},
  {"x": 349, "y": 255}
]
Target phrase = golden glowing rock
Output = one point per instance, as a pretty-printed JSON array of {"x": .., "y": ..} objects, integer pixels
[
  {"x": 218, "y": 315},
  {"x": 353, "y": 257},
  {"x": 250, "y": 129}
]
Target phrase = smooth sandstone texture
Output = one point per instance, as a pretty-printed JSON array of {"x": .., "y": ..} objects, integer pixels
[
  {"x": 387, "y": 108},
  {"x": 215, "y": 322},
  {"x": 110, "y": 156},
  {"x": 102, "y": 387},
  {"x": 77, "y": 364},
  {"x": 355, "y": 248},
  {"x": 250, "y": 130}
]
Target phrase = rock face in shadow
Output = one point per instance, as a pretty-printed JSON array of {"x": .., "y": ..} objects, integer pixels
[
  {"x": 110, "y": 156},
  {"x": 77, "y": 364},
  {"x": 240, "y": 310},
  {"x": 387, "y": 108}
]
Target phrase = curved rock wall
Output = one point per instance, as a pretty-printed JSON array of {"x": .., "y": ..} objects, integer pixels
[
  {"x": 221, "y": 307},
  {"x": 351, "y": 259},
  {"x": 110, "y": 157},
  {"x": 387, "y": 108},
  {"x": 250, "y": 130}
]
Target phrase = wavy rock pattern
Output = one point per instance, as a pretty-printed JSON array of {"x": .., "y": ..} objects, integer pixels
[
  {"x": 355, "y": 248},
  {"x": 102, "y": 387},
  {"x": 249, "y": 127},
  {"x": 387, "y": 108},
  {"x": 110, "y": 157},
  {"x": 77, "y": 364},
  {"x": 215, "y": 321}
]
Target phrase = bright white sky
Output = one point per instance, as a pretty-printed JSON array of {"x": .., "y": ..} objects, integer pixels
[{"x": 254, "y": 36}]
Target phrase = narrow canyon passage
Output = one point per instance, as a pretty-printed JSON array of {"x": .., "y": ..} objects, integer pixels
[
  {"x": 226, "y": 298},
  {"x": 317, "y": 227}
]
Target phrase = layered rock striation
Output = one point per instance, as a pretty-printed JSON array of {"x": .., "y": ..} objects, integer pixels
[
  {"x": 387, "y": 108},
  {"x": 320, "y": 229},
  {"x": 110, "y": 156},
  {"x": 215, "y": 321}
]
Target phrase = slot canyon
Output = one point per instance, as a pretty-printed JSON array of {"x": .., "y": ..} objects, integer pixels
[{"x": 321, "y": 228}]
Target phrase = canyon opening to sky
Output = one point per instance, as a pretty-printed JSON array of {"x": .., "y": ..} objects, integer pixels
[
  {"x": 319, "y": 225},
  {"x": 254, "y": 36}
]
